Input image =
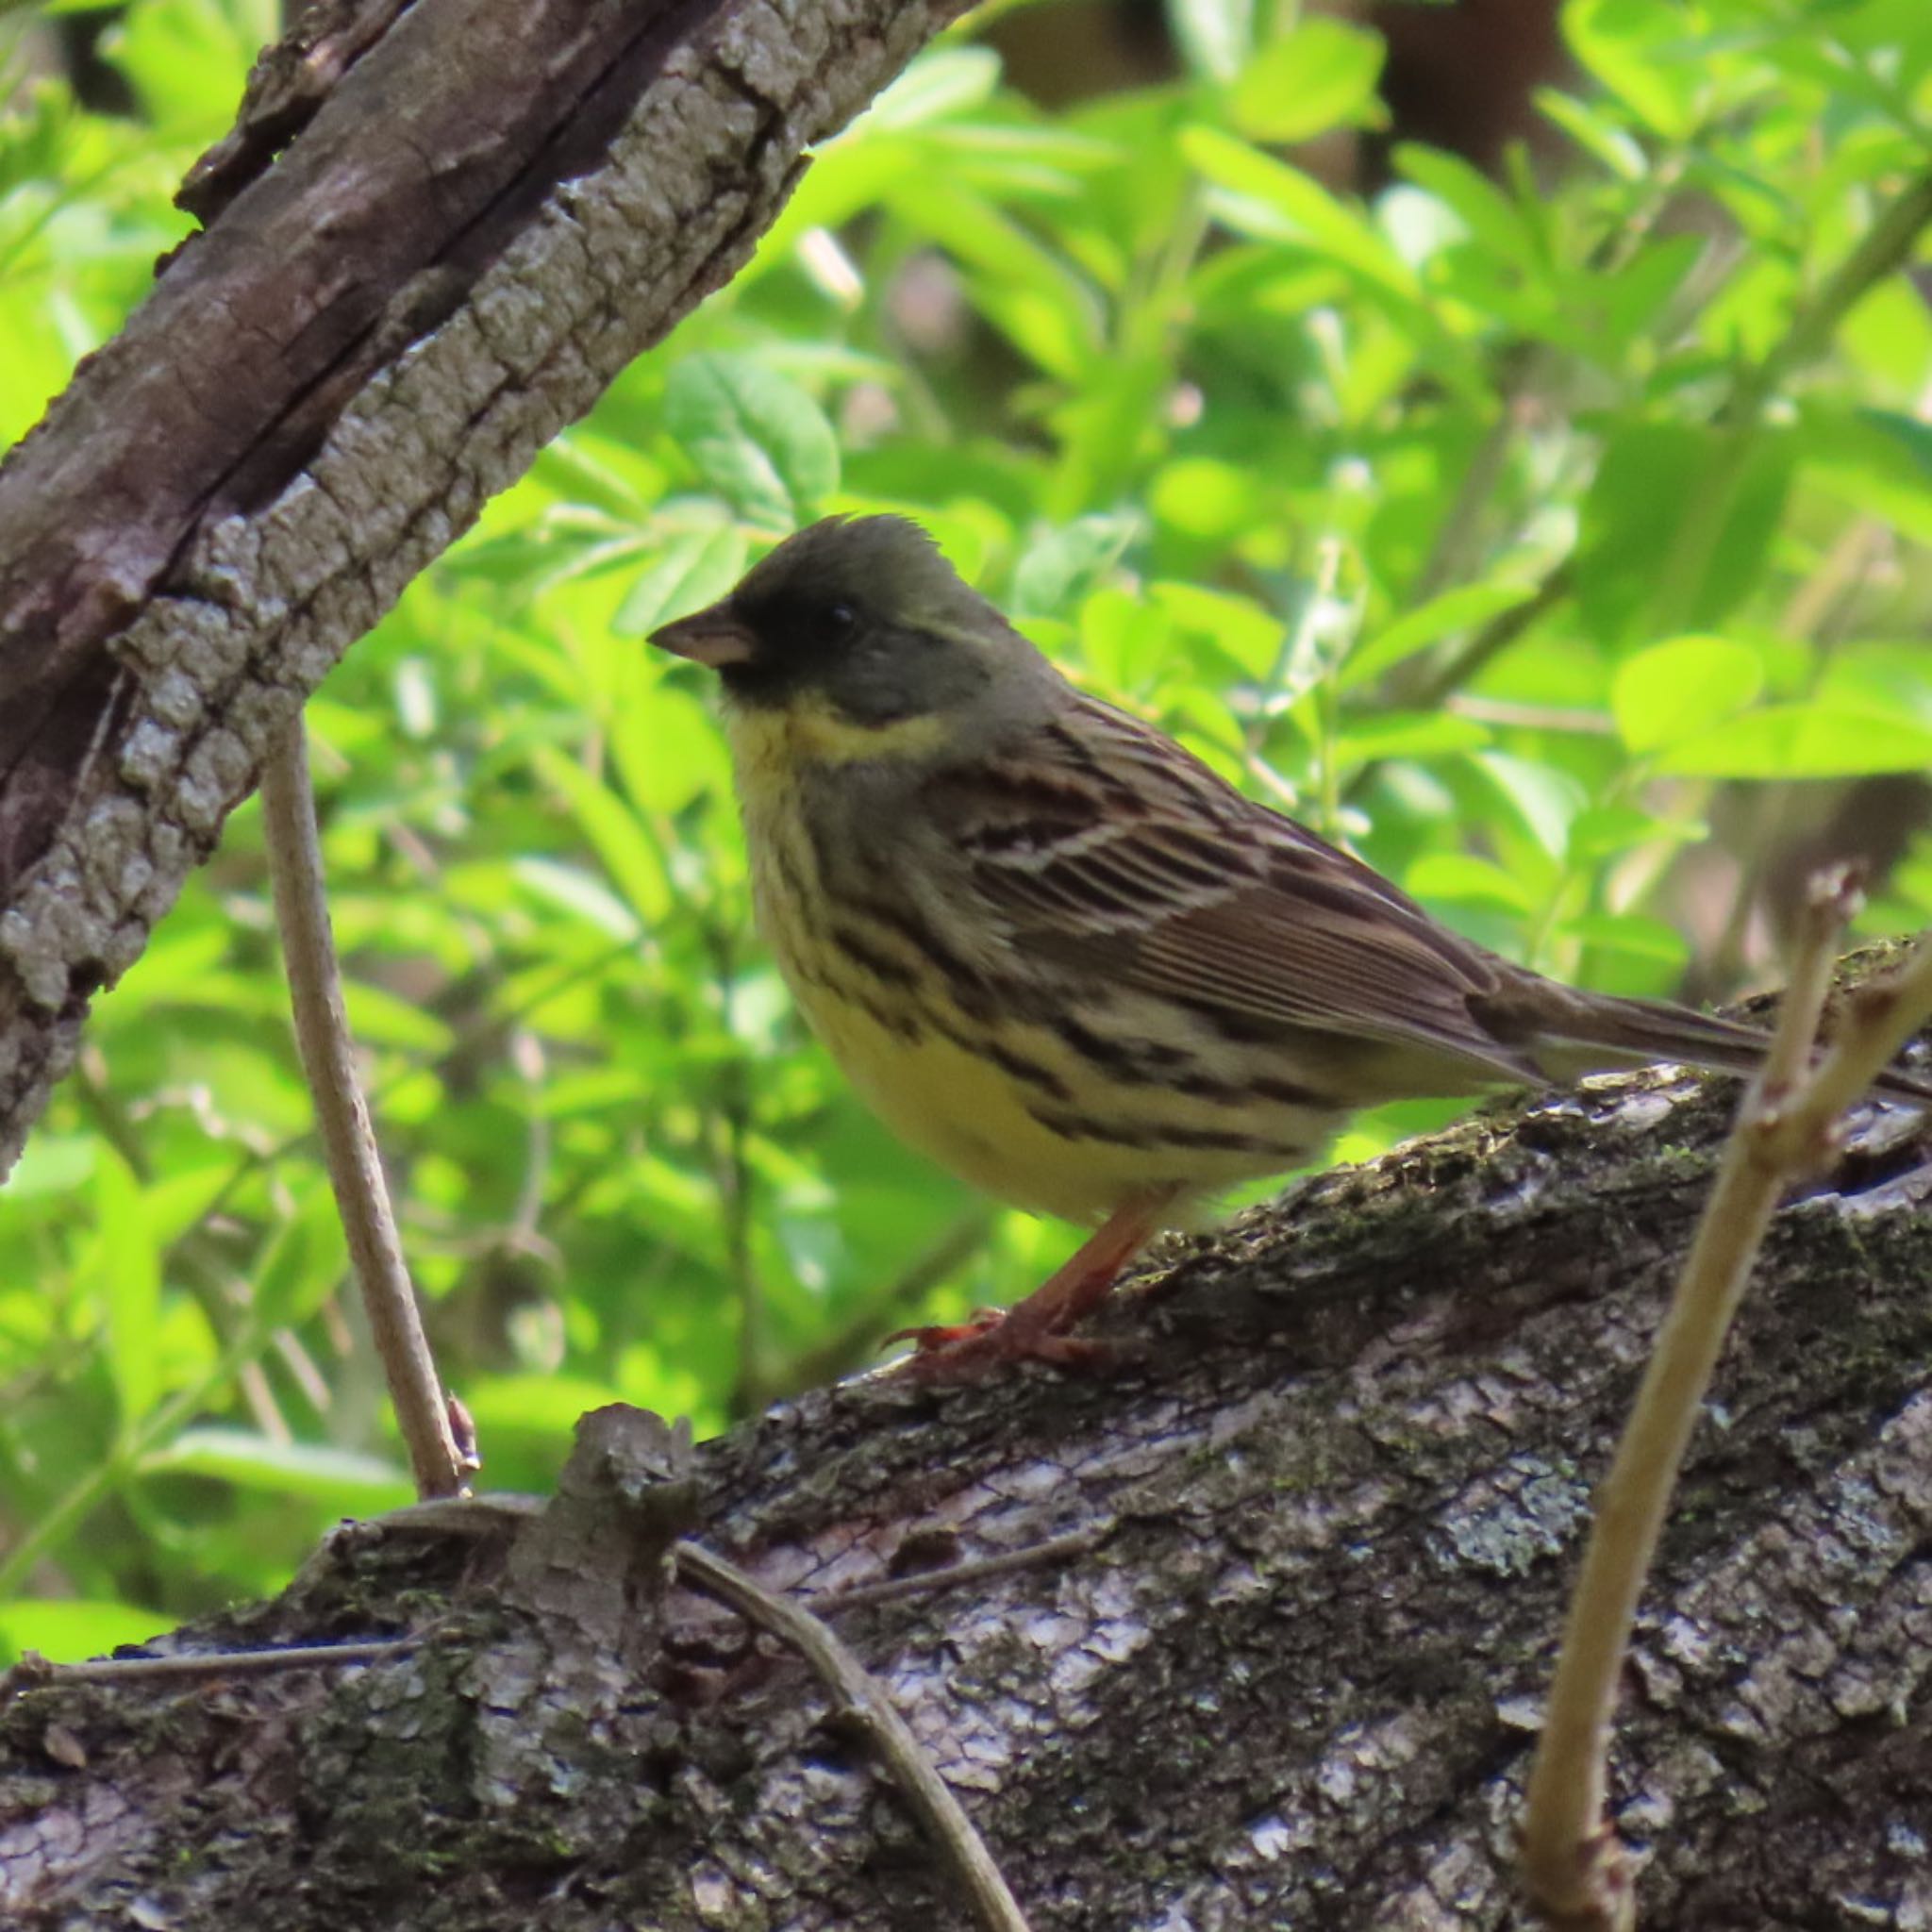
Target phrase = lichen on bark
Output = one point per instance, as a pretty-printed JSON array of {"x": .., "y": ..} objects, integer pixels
[{"x": 1336, "y": 1490}]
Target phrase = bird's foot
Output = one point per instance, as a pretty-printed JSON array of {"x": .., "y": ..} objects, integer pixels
[
  {"x": 992, "y": 1344},
  {"x": 1036, "y": 1330}
]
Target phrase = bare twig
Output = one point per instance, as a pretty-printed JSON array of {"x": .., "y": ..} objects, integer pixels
[
  {"x": 355, "y": 1168},
  {"x": 1572, "y": 1865},
  {"x": 1054, "y": 1549},
  {"x": 1453, "y": 670},
  {"x": 33, "y": 1672},
  {"x": 979, "y": 1878}
]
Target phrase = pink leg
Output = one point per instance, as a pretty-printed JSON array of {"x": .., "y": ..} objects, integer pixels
[{"x": 1035, "y": 1329}]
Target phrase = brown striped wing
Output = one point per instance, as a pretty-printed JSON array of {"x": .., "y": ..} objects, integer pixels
[{"x": 1107, "y": 849}]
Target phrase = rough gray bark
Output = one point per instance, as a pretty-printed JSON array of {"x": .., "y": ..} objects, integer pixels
[
  {"x": 439, "y": 232},
  {"x": 1338, "y": 1494}
]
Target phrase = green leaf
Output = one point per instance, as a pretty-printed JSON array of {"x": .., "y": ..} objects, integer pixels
[
  {"x": 1490, "y": 217},
  {"x": 1597, "y": 132},
  {"x": 1442, "y": 616},
  {"x": 1281, "y": 203},
  {"x": 695, "y": 569},
  {"x": 70, "y": 1630},
  {"x": 1024, "y": 288},
  {"x": 1460, "y": 877},
  {"x": 669, "y": 752},
  {"x": 380, "y": 1017},
  {"x": 1676, "y": 690},
  {"x": 1637, "y": 49},
  {"x": 1067, "y": 561},
  {"x": 1248, "y": 634},
  {"x": 1546, "y": 799},
  {"x": 1263, "y": 198},
  {"x": 1634, "y": 933},
  {"x": 188, "y": 60},
  {"x": 1407, "y": 734},
  {"x": 53, "y": 1164},
  {"x": 1804, "y": 742},
  {"x": 629, "y": 855},
  {"x": 1649, "y": 484},
  {"x": 305, "y": 1258},
  {"x": 120, "y": 1269},
  {"x": 1320, "y": 74},
  {"x": 1214, "y": 36},
  {"x": 344, "y": 1479},
  {"x": 943, "y": 81},
  {"x": 547, "y": 1404},
  {"x": 576, "y": 892},
  {"x": 754, "y": 436},
  {"x": 1126, "y": 639},
  {"x": 1875, "y": 459},
  {"x": 1204, "y": 497},
  {"x": 1602, "y": 831}
]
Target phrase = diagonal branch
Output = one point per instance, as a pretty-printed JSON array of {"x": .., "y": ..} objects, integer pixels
[{"x": 492, "y": 209}]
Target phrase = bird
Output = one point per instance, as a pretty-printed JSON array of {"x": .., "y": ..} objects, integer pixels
[{"x": 1063, "y": 957}]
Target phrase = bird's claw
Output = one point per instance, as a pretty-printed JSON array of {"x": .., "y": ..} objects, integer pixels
[{"x": 992, "y": 1344}]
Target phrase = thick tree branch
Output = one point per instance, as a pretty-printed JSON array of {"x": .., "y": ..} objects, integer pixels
[
  {"x": 494, "y": 206},
  {"x": 1289, "y": 1672}
]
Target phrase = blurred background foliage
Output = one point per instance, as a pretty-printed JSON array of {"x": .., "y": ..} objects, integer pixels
[{"x": 1541, "y": 509}]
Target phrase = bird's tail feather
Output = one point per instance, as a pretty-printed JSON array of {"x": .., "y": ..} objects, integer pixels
[{"x": 1655, "y": 1030}]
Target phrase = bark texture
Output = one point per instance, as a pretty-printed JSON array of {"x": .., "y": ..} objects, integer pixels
[
  {"x": 438, "y": 232},
  {"x": 1336, "y": 1493}
]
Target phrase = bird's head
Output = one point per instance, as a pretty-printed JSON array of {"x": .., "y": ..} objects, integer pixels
[{"x": 862, "y": 622}]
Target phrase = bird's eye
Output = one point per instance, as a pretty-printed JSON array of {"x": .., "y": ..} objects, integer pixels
[{"x": 835, "y": 621}]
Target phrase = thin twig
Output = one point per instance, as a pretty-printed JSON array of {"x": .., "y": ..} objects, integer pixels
[
  {"x": 992, "y": 1902},
  {"x": 1054, "y": 1549},
  {"x": 1573, "y": 1867},
  {"x": 355, "y": 1168},
  {"x": 33, "y": 1672},
  {"x": 1451, "y": 671}
]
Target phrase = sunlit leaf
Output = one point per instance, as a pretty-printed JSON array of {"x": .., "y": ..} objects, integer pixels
[
  {"x": 68, "y": 1630},
  {"x": 1214, "y": 36},
  {"x": 1462, "y": 876},
  {"x": 1628, "y": 932},
  {"x": 1320, "y": 74},
  {"x": 1637, "y": 48},
  {"x": 613, "y": 831},
  {"x": 1545, "y": 798},
  {"x": 121, "y": 1270},
  {"x": 942, "y": 81},
  {"x": 1446, "y": 615},
  {"x": 1062, "y": 561},
  {"x": 695, "y": 569},
  {"x": 754, "y": 435},
  {"x": 345, "y": 1481},
  {"x": 1676, "y": 690},
  {"x": 1804, "y": 742}
]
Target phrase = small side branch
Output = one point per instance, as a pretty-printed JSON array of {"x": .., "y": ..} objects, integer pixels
[
  {"x": 1573, "y": 1867},
  {"x": 965, "y": 1852},
  {"x": 355, "y": 1168},
  {"x": 33, "y": 1672}
]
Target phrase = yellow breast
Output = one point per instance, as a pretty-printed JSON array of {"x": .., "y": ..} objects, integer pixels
[{"x": 1011, "y": 1105}]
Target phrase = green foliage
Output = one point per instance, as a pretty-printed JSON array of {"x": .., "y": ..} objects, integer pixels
[{"x": 1492, "y": 525}]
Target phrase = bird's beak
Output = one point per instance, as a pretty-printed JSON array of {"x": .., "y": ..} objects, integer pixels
[{"x": 714, "y": 636}]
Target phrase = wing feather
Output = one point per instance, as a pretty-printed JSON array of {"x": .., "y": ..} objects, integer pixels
[{"x": 1107, "y": 849}]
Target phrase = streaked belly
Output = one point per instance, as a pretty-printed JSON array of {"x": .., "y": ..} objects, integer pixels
[{"x": 1076, "y": 1148}]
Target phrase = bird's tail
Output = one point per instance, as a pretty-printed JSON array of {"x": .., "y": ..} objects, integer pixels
[{"x": 1644, "y": 1030}]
